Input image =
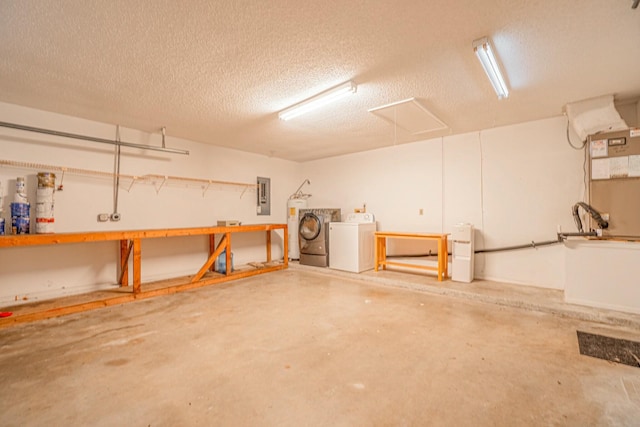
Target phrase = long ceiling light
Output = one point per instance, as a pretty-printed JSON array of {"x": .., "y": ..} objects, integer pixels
[
  {"x": 318, "y": 100},
  {"x": 482, "y": 48}
]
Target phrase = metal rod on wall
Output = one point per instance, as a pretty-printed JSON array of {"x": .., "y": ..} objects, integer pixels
[{"x": 93, "y": 139}]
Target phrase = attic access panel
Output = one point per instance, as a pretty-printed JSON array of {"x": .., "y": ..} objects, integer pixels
[{"x": 410, "y": 115}]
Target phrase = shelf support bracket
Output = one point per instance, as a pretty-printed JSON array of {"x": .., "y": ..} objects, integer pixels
[
  {"x": 204, "y": 190},
  {"x": 246, "y": 187},
  {"x": 133, "y": 181},
  {"x": 60, "y": 186},
  {"x": 161, "y": 185},
  {"x": 212, "y": 258}
]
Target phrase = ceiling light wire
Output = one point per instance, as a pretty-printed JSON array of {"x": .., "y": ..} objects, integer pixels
[
  {"x": 395, "y": 125},
  {"x": 442, "y": 215},
  {"x": 569, "y": 140},
  {"x": 584, "y": 162},
  {"x": 585, "y": 177},
  {"x": 481, "y": 235},
  {"x": 116, "y": 171}
]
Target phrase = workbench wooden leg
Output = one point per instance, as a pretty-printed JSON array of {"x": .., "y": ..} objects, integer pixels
[
  {"x": 212, "y": 249},
  {"x": 211, "y": 260},
  {"x": 125, "y": 251},
  {"x": 228, "y": 254},
  {"x": 446, "y": 258},
  {"x": 441, "y": 258},
  {"x": 383, "y": 252},
  {"x": 268, "y": 245},
  {"x": 377, "y": 253},
  {"x": 137, "y": 261},
  {"x": 285, "y": 238}
]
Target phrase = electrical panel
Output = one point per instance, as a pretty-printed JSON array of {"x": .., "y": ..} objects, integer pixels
[{"x": 264, "y": 196}]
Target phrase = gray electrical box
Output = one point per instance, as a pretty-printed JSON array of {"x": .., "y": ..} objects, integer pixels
[{"x": 264, "y": 196}]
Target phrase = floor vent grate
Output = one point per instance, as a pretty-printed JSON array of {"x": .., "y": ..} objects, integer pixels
[{"x": 608, "y": 348}]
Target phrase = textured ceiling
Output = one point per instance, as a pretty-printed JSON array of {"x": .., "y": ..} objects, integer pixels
[{"x": 218, "y": 72}]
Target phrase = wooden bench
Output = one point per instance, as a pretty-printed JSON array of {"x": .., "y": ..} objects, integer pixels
[{"x": 443, "y": 255}]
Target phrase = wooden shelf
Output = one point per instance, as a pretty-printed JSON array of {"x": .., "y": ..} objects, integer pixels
[{"x": 127, "y": 180}]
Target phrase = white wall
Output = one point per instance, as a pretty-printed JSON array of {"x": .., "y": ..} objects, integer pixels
[
  {"x": 516, "y": 184},
  {"x": 630, "y": 112},
  {"x": 40, "y": 272},
  {"x": 603, "y": 274}
]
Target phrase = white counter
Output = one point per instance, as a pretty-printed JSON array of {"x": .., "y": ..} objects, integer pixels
[{"x": 604, "y": 274}]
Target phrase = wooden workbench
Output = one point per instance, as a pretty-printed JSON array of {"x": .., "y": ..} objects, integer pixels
[
  {"x": 130, "y": 246},
  {"x": 443, "y": 255}
]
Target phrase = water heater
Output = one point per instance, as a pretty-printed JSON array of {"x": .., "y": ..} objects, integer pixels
[{"x": 293, "y": 217}]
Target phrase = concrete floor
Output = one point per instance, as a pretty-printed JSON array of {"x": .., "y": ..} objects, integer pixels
[{"x": 302, "y": 347}]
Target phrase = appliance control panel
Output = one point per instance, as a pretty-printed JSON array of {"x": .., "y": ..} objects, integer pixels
[{"x": 360, "y": 217}]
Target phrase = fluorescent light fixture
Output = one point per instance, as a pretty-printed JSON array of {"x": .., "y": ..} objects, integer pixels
[
  {"x": 482, "y": 48},
  {"x": 318, "y": 100}
]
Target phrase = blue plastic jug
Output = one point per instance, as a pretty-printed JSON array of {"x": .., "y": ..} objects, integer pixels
[{"x": 221, "y": 262}]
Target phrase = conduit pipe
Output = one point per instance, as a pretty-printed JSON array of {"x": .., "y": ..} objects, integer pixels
[
  {"x": 563, "y": 236},
  {"x": 93, "y": 139},
  {"x": 532, "y": 245}
]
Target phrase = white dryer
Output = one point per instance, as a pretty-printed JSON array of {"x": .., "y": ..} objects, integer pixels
[{"x": 351, "y": 243}]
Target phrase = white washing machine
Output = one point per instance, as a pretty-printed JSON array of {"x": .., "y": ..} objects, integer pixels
[{"x": 351, "y": 243}]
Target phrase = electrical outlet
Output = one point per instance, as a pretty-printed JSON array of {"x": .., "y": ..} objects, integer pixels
[
  {"x": 115, "y": 217},
  {"x": 605, "y": 216},
  {"x": 103, "y": 217}
]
